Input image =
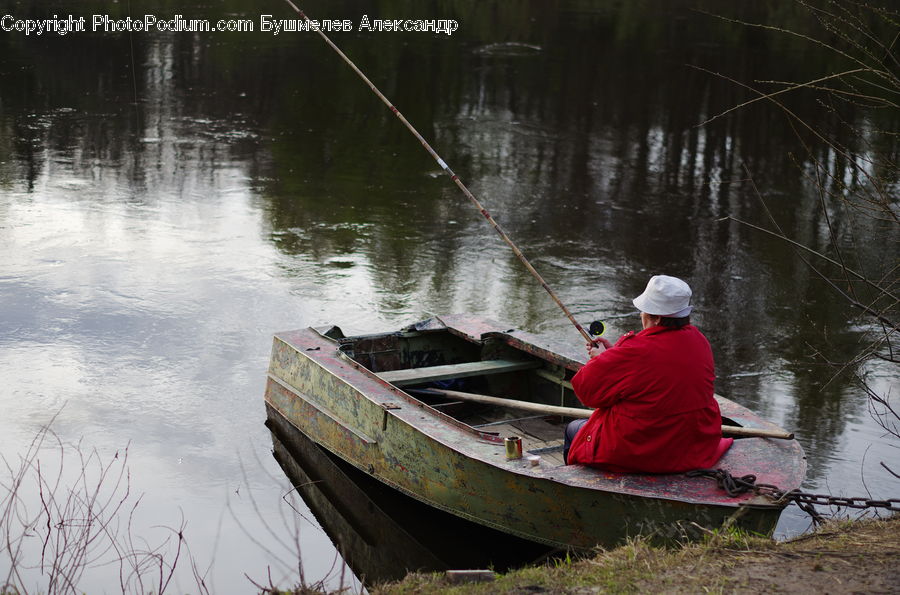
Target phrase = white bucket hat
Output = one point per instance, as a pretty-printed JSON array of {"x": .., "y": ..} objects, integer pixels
[{"x": 665, "y": 296}]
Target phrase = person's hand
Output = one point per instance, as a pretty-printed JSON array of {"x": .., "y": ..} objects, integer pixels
[{"x": 597, "y": 346}]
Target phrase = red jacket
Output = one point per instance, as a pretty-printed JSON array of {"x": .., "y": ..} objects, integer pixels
[{"x": 655, "y": 411}]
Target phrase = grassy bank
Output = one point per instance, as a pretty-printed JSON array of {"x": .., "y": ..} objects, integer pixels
[{"x": 842, "y": 557}]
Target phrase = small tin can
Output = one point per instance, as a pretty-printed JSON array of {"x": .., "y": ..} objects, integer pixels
[{"x": 513, "y": 447}]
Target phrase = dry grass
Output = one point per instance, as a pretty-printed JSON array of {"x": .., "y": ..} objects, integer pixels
[{"x": 841, "y": 557}]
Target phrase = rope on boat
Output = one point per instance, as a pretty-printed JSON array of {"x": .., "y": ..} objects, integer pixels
[
  {"x": 735, "y": 486},
  {"x": 443, "y": 165}
]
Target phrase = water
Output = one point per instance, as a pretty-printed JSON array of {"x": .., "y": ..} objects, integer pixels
[{"x": 168, "y": 201}]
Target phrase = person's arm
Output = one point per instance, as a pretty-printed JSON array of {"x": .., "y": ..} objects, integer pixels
[{"x": 597, "y": 383}]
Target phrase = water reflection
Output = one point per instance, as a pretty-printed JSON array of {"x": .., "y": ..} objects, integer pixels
[{"x": 168, "y": 201}]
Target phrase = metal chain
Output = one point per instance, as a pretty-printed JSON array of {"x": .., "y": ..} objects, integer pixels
[{"x": 735, "y": 486}]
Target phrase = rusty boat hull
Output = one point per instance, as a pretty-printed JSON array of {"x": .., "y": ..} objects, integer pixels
[{"x": 366, "y": 399}]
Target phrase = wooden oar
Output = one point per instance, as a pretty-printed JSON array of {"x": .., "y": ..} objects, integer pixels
[{"x": 583, "y": 413}]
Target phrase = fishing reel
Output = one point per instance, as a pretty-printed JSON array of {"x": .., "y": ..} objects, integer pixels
[{"x": 596, "y": 330}]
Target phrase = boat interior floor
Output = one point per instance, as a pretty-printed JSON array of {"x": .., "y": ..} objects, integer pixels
[{"x": 541, "y": 435}]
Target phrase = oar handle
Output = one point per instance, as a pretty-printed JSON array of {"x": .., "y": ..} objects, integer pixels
[
  {"x": 756, "y": 433},
  {"x": 578, "y": 412}
]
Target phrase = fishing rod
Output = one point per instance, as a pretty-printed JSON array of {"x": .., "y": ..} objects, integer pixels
[{"x": 456, "y": 180}]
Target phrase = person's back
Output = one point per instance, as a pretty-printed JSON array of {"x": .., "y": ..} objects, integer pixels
[{"x": 653, "y": 392}]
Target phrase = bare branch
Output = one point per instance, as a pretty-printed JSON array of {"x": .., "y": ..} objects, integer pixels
[
  {"x": 889, "y": 470},
  {"x": 796, "y": 244},
  {"x": 793, "y": 87},
  {"x": 75, "y": 516}
]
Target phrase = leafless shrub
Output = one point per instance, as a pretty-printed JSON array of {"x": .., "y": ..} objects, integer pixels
[
  {"x": 854, "y": 169},
  {"x": 56, "y": 525}
]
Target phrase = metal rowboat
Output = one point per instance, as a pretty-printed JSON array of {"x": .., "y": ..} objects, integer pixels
[{"x": 370, "y": 400}]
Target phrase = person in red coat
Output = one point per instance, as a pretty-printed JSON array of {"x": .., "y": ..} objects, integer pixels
[{"x": 652, "y": 393}]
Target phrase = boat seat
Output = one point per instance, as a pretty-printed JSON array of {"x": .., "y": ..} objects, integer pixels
[{"x": 432, "y": 373}]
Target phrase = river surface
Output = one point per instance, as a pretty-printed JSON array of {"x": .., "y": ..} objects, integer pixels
[{"x": 169, "y": 200}]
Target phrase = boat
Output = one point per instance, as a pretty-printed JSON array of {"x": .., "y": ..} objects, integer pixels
[{"x": 397, "y": 405}]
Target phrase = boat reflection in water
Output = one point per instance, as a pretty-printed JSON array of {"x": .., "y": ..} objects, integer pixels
[{"x": 381, "y": 532}]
